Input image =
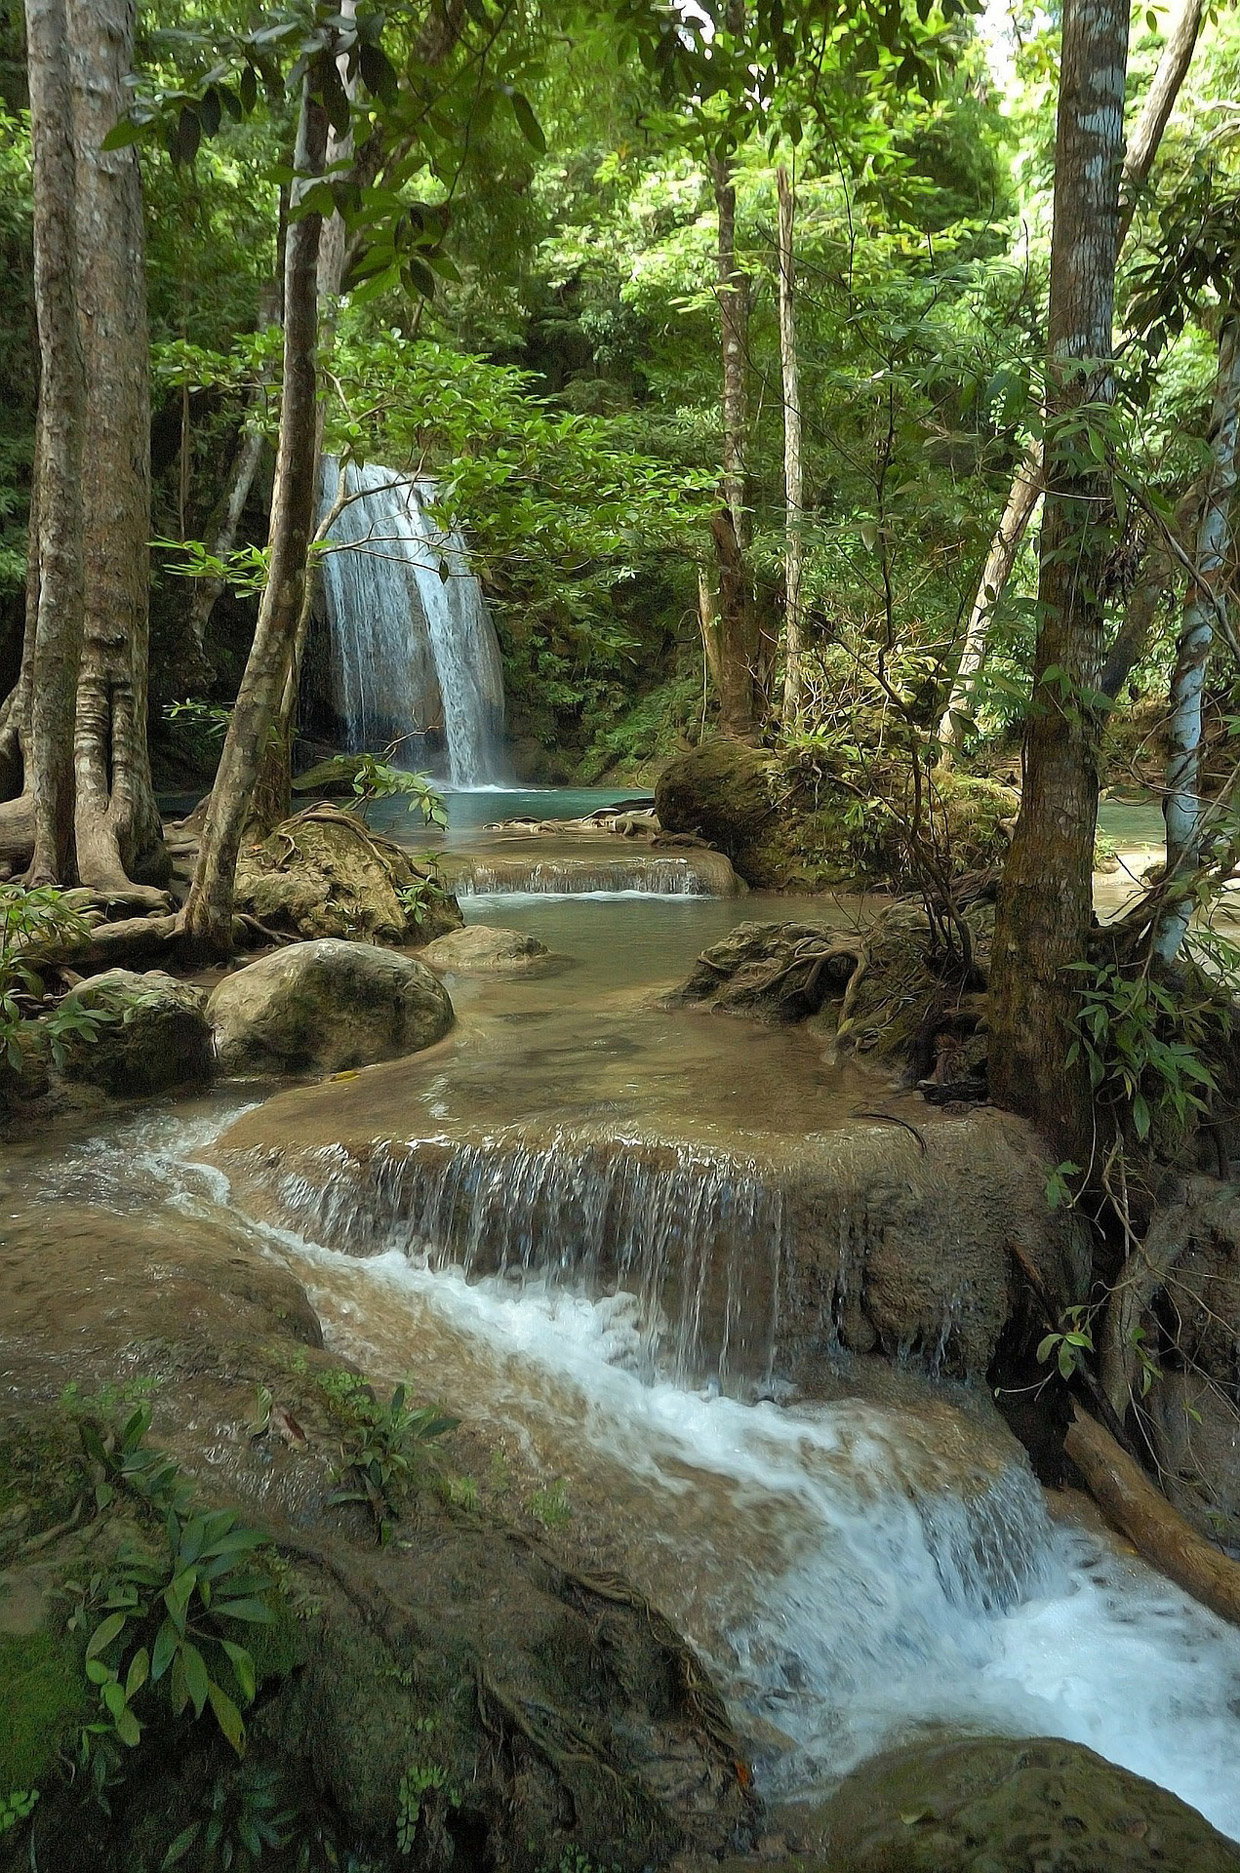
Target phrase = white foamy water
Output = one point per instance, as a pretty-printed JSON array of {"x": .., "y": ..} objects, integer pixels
[{"x": 851, "y": 1574}]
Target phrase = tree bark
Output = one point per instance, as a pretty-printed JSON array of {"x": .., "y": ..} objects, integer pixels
[
  {"x": 117, "y": 823},
  {"x": 1045, "y": 905},
  {"x": 737, "y": 633},
  {"x": 1156, "y": 1530},
  {"x": 794, "y": 479},
  {"x": 57, "y": 642},
  {"x": 207, "y": 918},
  {"x": 1207, "y": 592},
  {"x": 1139, "y": 157}
]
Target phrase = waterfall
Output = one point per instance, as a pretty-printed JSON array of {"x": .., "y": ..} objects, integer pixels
[
  {"x": 413, "y": 651},
  {"x": 685, "y": 1247}
]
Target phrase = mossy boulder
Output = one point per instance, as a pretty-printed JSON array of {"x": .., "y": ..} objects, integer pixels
[
  {"x": 153, "y": 1034},
  {"x": 323, "y": 1007},
  {"x": 324, "y": 874},
  {"x": 1007, "y": 1805},
  {"x": 811, "y": 821},
  {"x": 43, "y": 1695}
]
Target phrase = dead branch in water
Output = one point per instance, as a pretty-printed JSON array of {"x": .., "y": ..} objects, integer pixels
[{"x": 1158, "y": 1532}]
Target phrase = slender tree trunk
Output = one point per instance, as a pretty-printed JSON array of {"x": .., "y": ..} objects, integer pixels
[
  {"x": 794, "y": 482},
  {"x": 207, "y": 920},
  {"x": 57, "y": 646},
  {"x": 117, "y": 823},
  {"x": 737, "y": 633},
  {"x": 1207, "y": 591},
  {"x": 1025, "y": 494},
  {"x": 1142, "y": 148},
  {"x": 1045, "y": 906}
]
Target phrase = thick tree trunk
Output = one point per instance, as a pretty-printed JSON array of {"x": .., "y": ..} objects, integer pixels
[
  {"x": 794, "y": 479},
  {"x": 117, "y": 822},
  {"x": 57, "y": 644},
  {"x": 737, "y": 634},
  {"x": 207, "y": 917},
  {"x": 1139, "y": 157},
  {"x": 1207, "y": 592},
  {"x": 1045, "y": 906}
]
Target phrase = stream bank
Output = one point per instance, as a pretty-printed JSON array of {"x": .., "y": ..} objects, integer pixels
[{"x": 857, "y": 1554}]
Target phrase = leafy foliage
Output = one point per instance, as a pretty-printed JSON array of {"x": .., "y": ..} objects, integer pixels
[{"x": 385, "y": 1450}]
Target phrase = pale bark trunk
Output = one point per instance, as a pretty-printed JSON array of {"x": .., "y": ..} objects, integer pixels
[
  {"x": 737, "y": 635},
  {"x": 225, "y": 525},
  {"x": 1139, "y": 157},
  {"x": 117, "y": 823},
  {"x": 1046, "y": 906},
  {"x": 57, "y": 646},
  {"x": 794, "y": 480},
  {"x": 1024, "y": 497},
  {"x": 208, "y": 911},
  {"x": 1207, "y": 591}
]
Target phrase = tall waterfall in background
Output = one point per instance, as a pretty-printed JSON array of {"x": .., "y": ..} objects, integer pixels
[{"x": 413, "y": 651}]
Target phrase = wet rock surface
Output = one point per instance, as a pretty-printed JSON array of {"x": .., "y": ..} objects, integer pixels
[
  {"x": 779, "y": 972},
  {"x": 155, "y": 1034},
  {"x": 880, "y": 1235},
  {"x": 1002, "y": 1805},
  {"x": 323, "y": 1007},
  {"x": 534, "y": 1711},
  {"x": 484, "y": 950}
]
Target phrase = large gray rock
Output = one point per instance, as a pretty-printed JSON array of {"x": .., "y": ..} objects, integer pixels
[
  {"x": 479, "y": 950},
  {"x": 152, "y": 1033},
  {"x": 321, "y": 1007},
  {"x": 1006, "y": 1805}
]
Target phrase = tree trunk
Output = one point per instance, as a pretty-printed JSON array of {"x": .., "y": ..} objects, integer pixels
[
  {"x": 794, "y": 483},
  {"x": 1024, "y": 497},
  {"x": 57, "y": 644},
  {"x": 208, "y": 910},
  {"x": 117, "y": 823},
  {"x": 737, "y": 634},
  {"x": 1142, "y": 148},
  {"x": 1207, "y": 591},
  {"x": 1045, "y": 906}
]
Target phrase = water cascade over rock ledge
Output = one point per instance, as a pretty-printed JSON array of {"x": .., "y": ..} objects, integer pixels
[{"x": 739, "y": 1263}]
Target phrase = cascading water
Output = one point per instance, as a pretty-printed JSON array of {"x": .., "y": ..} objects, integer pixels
[
  {"x": 855, "y": 1572},
  {"x": 414, "y": 658}
]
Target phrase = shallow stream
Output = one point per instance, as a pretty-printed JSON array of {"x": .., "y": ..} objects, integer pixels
[{"x": 858, "y": 1567}]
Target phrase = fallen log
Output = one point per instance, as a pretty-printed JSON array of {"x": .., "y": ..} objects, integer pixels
[{"x": 1158, "y": 1532}]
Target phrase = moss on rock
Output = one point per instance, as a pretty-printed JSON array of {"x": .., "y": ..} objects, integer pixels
[
  {"x": 323, "y": 874},
  {"x": 811, "y": 820}
]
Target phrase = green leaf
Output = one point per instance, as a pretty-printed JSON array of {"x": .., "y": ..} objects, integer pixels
[
  {"x": 128, "y": 1729},
  {"x": 228, "y": 1717},
  {"x": 104, "y": 1634},
  {"x": 243, "y": 1665},
  {"x": 139, "y": 1669},
  {"x": 256, "y": 1612},
  {"x": 181, "y": 1845},
  {"x": 528, "y": 123},
  {"x": 197, "y": 1677},
  {"x": 166, "y": 1641},
  {"x": 121, "y": 135}
]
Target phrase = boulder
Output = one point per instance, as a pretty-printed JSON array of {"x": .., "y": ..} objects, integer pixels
[
  {"x": 479, "y": 950},
  {"x": 321, "y": 1007},
  {"x": 811, "y": 821},
  {"x": 153, "y": 1033},
  {"x": 1001, "y": 1803},
  {"x": 324, "y": 874}
]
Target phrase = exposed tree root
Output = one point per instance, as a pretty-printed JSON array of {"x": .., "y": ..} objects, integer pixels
[{"x": 1156, "y": 1530}]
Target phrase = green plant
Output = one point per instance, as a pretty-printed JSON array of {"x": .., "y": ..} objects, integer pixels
[
  {"x": 1069, "y": 1347},
  {"x": 41, "y": 918},
  {"x": 420, "y": 898},
  {"x": 550, "y": 1506},
  {"x": 385, "y": 1455},
  {"x": 15, "y": 1807},
  {"x": 1140, "y": 1039},
  {"x": 375, "y": 778},
  {"x": 243, "y": 1817},
  {"x": 158, "y": 1623}
]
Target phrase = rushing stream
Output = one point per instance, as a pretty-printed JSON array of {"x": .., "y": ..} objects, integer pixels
[{"x": 858, "y": 1566}]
